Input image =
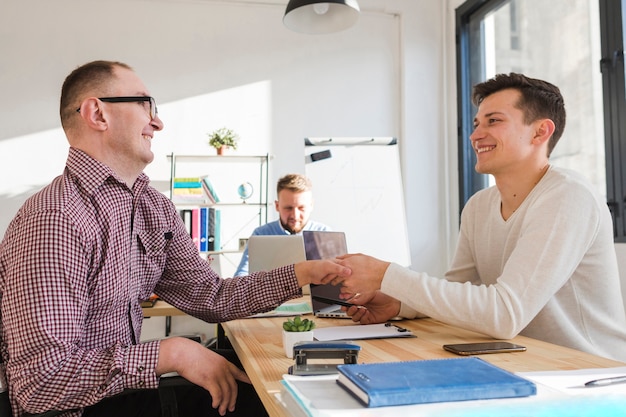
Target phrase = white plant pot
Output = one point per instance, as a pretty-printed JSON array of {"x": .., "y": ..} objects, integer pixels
[{"x": 290, "y": 338}]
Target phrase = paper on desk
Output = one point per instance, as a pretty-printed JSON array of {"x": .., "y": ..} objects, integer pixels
[
  {"x": 361, "y": 331},
  {"x": 287, "y": 310},
  {"x": 321, "y": 396},
  {"x": 573, "y": 382}
]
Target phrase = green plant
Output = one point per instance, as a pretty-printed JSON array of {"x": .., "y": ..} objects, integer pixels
[
  {"x": 298, "y": 325},
  {"x": 223, "y": 137}
]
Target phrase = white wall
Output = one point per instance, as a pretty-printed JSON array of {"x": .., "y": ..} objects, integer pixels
[{"x": 213, "y": 63}]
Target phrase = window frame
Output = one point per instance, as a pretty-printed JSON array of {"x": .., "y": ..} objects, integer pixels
[
  {"x": 614, "y": 100},
  {"x": 614, "y": 94}
]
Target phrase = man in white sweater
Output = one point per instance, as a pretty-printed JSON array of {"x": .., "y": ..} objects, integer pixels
[{"x": 535, "y": 254}]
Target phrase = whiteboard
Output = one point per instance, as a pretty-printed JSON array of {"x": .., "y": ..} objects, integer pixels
[{"x": 357, "y": 189}]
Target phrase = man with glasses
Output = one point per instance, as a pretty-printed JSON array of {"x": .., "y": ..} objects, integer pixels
[
  {"x": 147, "y": 100},
  {"x": 83, "y": 253}
]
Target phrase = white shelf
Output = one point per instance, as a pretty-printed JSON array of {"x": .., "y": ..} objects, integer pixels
[{"x": 238, "y": 218}]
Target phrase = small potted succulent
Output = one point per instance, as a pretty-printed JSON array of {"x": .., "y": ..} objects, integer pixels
[
  {"x": 296, "y": 330},
  {"x": 222, "y": 139}
]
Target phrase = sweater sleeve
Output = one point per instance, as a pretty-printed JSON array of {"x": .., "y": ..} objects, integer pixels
[{"x": 547, "y": 240}]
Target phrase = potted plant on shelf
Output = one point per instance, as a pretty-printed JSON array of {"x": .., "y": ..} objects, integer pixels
[
  {"x": 222, "y": 139},
  {"x": 296, "y": 330}
]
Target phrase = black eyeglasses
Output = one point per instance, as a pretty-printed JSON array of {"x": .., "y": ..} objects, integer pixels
[{"x": 132, "y": 99}]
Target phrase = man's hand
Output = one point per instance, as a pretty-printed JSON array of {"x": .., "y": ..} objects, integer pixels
[
  {"x": 204, "y": 368},
  {"x": 320, "y": 272},
  {"x": 376, "y": 308},
  {"x": 367, "y": 274}
]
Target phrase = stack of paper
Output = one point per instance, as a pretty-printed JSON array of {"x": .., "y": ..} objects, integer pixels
[
  {"x": 320, "y": 396},
  {"x": 361, "y": 331}
]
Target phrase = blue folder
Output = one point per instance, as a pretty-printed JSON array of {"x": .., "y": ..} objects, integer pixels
[{"x": 429, "y": 381}]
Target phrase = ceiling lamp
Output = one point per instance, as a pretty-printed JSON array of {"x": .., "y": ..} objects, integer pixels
[{"x": 320, "y": 16}]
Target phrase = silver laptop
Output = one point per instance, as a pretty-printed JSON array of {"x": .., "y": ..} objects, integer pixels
[
  {"x": 325, "y": 245},
  {"x": 269, "y": 252}
]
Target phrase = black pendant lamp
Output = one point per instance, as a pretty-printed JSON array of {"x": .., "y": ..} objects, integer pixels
[{"x": 320, "y": 16}]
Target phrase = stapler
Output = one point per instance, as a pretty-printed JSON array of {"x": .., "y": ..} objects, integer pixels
[{"x": 340, "y": 351}]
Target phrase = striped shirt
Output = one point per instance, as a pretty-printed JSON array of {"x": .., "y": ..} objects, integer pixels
[{"x": 75, "y": 264}]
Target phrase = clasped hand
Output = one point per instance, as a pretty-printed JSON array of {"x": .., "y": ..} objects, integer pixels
[{"x": 362, "y": 288}]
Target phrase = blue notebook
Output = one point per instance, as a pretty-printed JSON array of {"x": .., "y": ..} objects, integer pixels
[{"x": 430, "y": 381}]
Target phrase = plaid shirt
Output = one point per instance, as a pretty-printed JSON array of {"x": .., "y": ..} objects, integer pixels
[{"x": 76, "y": 262}]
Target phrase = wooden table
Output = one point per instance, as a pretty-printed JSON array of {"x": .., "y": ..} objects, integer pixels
[
  {"x": 160, "y": 309},
  {"x": 258, "y": 342}
]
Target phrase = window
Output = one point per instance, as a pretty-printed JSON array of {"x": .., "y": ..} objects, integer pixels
[
  {"x": 613, "y": 87},
  {"x": 575, "y": 44}
]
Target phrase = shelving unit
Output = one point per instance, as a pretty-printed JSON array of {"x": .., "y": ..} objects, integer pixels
[{"x": 226, "y": 173}]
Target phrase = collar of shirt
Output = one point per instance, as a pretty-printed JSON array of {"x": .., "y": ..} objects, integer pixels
[{"x": 91, "y": 173}]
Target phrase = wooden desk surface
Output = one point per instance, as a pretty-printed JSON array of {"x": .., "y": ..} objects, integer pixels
[
  {"x": 161, "y": 308},
  {"x": 258, "y": 343}
]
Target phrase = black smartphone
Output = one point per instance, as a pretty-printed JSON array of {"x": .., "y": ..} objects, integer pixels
[
  {"x": 332, "y": 301},
  {"x": 467, "y": 349}
]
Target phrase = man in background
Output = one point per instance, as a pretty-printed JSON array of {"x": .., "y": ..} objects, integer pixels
[{"x": 294, "y": 204}]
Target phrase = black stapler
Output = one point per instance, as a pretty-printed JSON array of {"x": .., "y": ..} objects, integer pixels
[{"x": 332, "y": 354}]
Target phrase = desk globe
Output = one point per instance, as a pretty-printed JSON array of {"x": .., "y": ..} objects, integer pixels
[{"x": 245, "y": 191}]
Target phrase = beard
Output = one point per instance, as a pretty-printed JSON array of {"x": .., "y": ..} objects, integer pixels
[{"x": 291, "y": 230}]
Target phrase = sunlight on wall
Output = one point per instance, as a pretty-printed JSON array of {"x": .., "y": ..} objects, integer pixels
[
  {"x": 246, "y": 109},
  {"x": 29, "y": 163},
  {"x": 32, "y": 161}
]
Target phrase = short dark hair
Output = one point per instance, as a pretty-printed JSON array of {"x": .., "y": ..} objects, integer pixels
[
  {"x": 91, "y": 78},
  {"x": 296, "y": 183},
  {"x": 539, "y": 100}
]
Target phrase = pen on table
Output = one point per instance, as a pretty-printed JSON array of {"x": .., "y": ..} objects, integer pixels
[{"x": 603, "y": 382}]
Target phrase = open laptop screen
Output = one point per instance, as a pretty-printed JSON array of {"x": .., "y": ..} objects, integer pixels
[{"x": 267, "y": 252}]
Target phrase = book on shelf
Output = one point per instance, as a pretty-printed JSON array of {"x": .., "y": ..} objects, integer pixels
[
  {"x": 429, "y": 381},
  {"x": 209, "y": 189},
  {"x": 187, "y": 182},
  {"x": 194, "y": 190},
  {"x": 187, "y": 190}
]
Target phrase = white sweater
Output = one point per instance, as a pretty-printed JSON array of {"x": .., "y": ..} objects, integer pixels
[{"x": 548, "y": 272}]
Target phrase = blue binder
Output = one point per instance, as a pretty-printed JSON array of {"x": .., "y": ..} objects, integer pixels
[{"x": 429, "y": 381}]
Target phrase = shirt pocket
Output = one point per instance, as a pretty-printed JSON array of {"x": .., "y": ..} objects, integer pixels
[
  {"x": 151, "y": 254},
  {"x": 152, "y": 243}
]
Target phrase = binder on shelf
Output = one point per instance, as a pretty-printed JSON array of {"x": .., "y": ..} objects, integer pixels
[
  {"x": 193, "y": 185},
  {"x": 431, "y": 381},
  {"x": 214, "y": 219},
  {"x": 195, "y": 226},
  {"x": 185, "y": 214},
  {"x": 204, "y": 229}
]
